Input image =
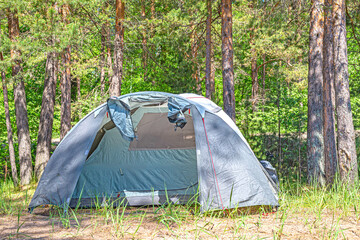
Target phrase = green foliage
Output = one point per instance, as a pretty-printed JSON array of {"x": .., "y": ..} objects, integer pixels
[{"x": 275, "y": 35}]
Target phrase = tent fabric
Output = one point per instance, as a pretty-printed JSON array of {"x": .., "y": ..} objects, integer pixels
[
  {"x": 238, "y": 180},
  {"x": 58, "y": 181},
  {"x": 146, "y": 198},
  {"x": 137, "y": 171},
  {"x": 127, "y": 150},
  {"x": 271, "y": 171},
  {"x": 202, "y": 103},
  {"x": 177, "y": 107},
  {"x": 120, "y": 115}
]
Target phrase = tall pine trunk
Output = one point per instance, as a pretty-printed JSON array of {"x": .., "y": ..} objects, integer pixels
[
  {"x": 330, "y": 153},
  {"x": 152, "y": 33},
  {"x": 263, "y": 82},
  {"x": 315, "y": 139},
  {"x": 46, "y": 115},
  {"x": 22, "y": 122},
  {"x": 227, "y": 59},
  {"x": 102, "y": 59},
  {"x": 345, "y": 128},
  {"x": 78, "y": 88},
  {"x": 108, "y": 54},
  {"x": 194, "y": 52},
  {"x": 255, "y": 80},
  {"x": 209, "y": 76},
  {"x": 144, "y": 40},
  {"x": 9, "y": 128},
  {"x": 65, "y": 122},
  {"x": 152, "y": 10},
  {"x": 115, "y": 87}
]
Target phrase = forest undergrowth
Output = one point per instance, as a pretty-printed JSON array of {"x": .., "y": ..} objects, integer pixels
[{"x": 305, "y": 212}]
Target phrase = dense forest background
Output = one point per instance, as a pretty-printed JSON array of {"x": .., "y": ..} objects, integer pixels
[{"x": 165, "y": 50}]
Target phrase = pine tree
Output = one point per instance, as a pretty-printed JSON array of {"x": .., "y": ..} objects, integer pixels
[
  {"x": 65, "y": 82},
  {"x": 227, "y": 59},
  {"x": 43, "y": 147},
  {"x": 22, "y": 122},
  {"x": 209, "y": 74},
  {"x": 8, "y": 127},
  {"x": 330, "y": 153},
  {"x": 315, "y": 134},
  {"x": 348, "y": 167},
  {"x": 115, "y": 87}
]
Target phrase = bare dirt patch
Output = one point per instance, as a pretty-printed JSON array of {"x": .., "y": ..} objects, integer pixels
[{"x": 147, "y": 223}]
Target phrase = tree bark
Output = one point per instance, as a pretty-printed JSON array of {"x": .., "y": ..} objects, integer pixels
[
  {"x": 20, "y": 104},
  {"x": 65, "y": 122},
  {"x": 263, "y": 82},
  {"x": 348, "y": 167},
  {"x": 152, "y": 32},
  {"x": 43, "y": 148},
  {"x": 5, "y": 170},
  {"x": 279, "y": 127},
  {"x": 108, "y": 55},
  {"x": 152, "y": 10},
  {"x": 227, "y": 59},
  {"x": 78, "y": 88},
  {"x": 102, "y": 59},
  {"x": 9, "y": 128},
  {"x": 330, "y": 153},
  {"x": 115, "y": 87},
  {"x": 209, "y": 76},
  {"x": 195, "y": 64},
  {"x": 255, "y": 80},
  {"x": 315, "y": 139},
  {"x": 144, "y": 40}
]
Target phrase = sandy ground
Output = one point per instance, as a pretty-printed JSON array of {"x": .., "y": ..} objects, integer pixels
[{"x": 143, "y": 223}]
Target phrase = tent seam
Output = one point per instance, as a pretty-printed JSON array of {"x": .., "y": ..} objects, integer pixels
[{"x": 212, "y": 161}]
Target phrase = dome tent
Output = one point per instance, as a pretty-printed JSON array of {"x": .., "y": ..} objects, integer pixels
[{"x": 151, "y": 147}]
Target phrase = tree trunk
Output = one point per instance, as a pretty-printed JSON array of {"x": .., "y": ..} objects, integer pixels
[
  {"x": 115, "y": 87},
  {"x": 78, "y": 88},
  {"x": 65, "y": 122},
  {"x": 144, "y": 40},
  {"x": 345, "y": 128},
  {"x": 227, "y": 59},
  {"x": 195, "y": 64},
  {"x": 20, "y": 105},
  {"x": 5, "y": 170},
  {"x": 255, "y": 81},
  {"x": 315, "y": 139},
  {"x": 279, "y": 123},
  {"x": 330, "y": 153},
  {"x": 209, "y": 76},
  {"x": 46, "y": 115},
  {"x": 8, "y": 127},
  {"x": 102, "y": 59},
  {"x": 108, "y": 55},
  {"x": 152, "y": 32},
  {"x": 263, "y": 82},
  {"x": 299, "y": 145},
  {"x": 152, "y": 10}
]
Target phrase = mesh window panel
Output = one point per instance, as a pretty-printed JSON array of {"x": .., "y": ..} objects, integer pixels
[{"x": 154, "y": 131}]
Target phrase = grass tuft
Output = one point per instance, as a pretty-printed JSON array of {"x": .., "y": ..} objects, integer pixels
[{"x": 321, "y": 212}]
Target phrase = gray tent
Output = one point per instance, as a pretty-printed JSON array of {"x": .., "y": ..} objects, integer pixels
[{"x": 152, "y": 147}]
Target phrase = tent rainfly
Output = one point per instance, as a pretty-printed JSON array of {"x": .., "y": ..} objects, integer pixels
[{"x": 150, "y": 148}]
